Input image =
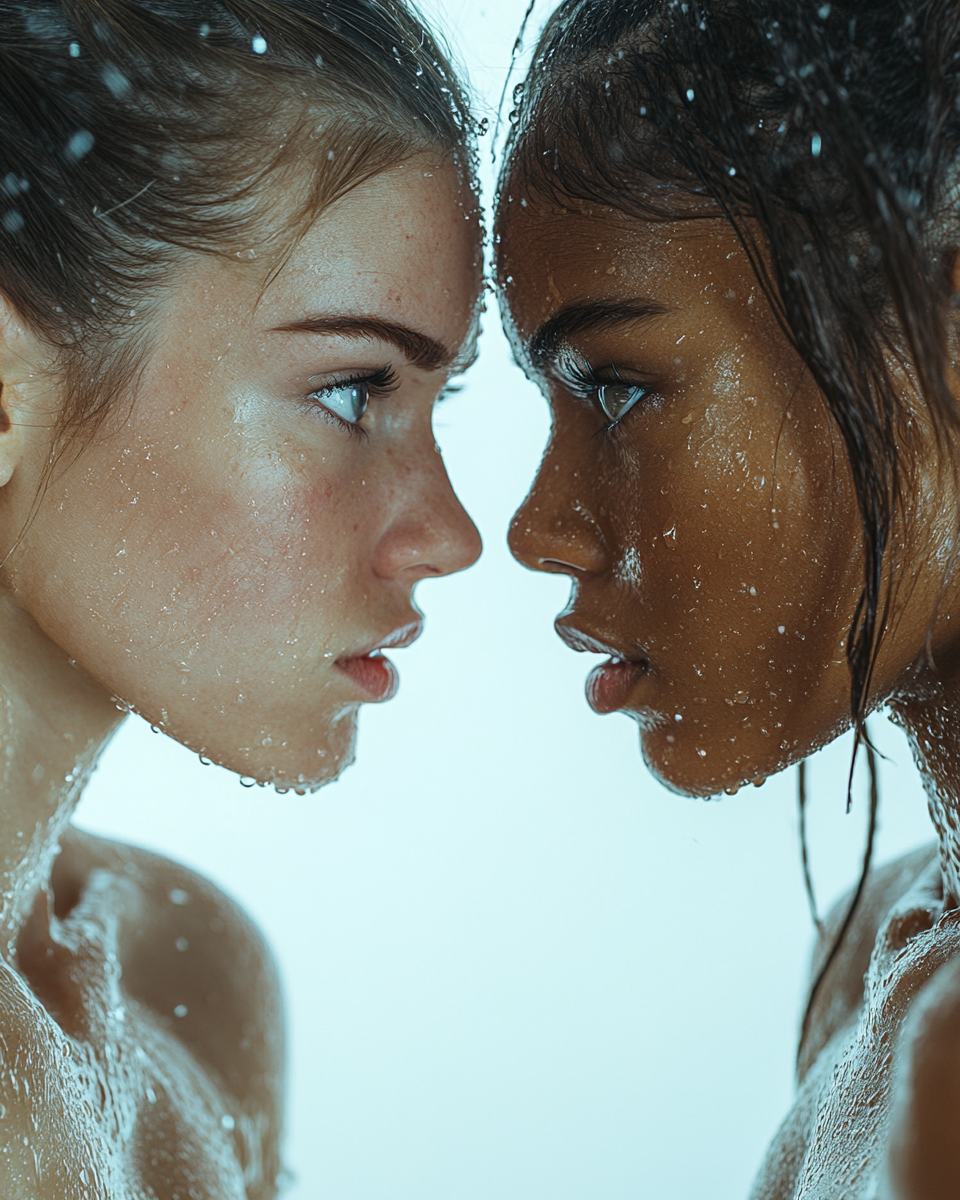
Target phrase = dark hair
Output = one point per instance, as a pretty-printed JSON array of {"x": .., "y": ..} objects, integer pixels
[
  {"x": 827, "y": 133},
  {"x": 133, "y": 131}
]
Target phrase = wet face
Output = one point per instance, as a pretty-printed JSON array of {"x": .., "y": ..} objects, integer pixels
[
  {"x": 694, "y": 488},
  {"x": 240, "y": 538}
]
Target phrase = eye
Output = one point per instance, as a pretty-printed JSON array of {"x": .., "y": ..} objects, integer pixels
[
  {"x": 616, "y": 399},
  {"x": 348, "y": 401}
]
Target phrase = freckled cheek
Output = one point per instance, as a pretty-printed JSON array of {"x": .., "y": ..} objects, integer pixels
[
  {"x": 267, "y": 547},
  {"x": 282, "y": 544}
]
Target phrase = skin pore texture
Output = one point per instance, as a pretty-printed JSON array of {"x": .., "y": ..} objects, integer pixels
[
  {"x": 697, "y": 493},
  {"x": 224, "y": 556}
]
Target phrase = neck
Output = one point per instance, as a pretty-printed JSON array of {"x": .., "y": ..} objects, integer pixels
[
  {"x": 54, "y": 723},
  {"x": 929, "y": 713}
]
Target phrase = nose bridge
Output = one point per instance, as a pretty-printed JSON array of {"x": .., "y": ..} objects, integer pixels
[
  {"x": 556, "y": 523},
  {"x": 425, "y": 528}
]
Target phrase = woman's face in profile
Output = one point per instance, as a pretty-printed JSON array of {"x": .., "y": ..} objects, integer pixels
[
  {"x": 243, "y": 534},
  {"x": 694, "y": 488}
]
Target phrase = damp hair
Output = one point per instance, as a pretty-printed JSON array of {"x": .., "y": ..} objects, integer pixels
[
  {"x": 136, "y": 133},
  {"x": 828, "y": 135}
]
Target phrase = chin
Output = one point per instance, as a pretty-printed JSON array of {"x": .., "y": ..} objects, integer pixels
[
  {"x": 681, "y": 767},
  {"x": 302, "y": 760}
]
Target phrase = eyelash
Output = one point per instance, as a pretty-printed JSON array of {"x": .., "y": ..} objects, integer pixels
[
  {"x": 380, "y": 383},
  {"x": 584, "y": 381}
]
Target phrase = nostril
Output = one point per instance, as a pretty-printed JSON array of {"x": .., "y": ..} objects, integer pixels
[{"x": 561, "y": 565}]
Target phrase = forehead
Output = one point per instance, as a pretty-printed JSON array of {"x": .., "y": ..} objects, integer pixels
[
  {"x": 550, "y": 258},
  {"x": 404, "y": 245}
]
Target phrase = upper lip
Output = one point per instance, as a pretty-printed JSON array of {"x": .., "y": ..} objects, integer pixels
[
  {"x": 579, "y": 639},
  {"x": 392, "y": 641}
]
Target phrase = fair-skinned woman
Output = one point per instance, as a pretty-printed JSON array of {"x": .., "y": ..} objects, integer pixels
[
  {"x": 240, "y": 261},
  {"x": 727, "y": 251}
]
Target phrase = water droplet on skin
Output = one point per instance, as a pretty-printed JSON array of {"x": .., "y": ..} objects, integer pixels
[
  {"x": 781, "y": 629},
  {"x": 179, "y": 897},
  {"x": 247, "y": 781},
  {"x": 180, "y": 1010},
  {"x": 227, "y": 1121},
  {"x": 204, "y": 762},
  {"x": 670, "y": 537},
  {"x": 181, "y": 944}
]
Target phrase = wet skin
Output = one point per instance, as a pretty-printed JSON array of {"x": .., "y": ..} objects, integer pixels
[
  {"x": 699, "y": 496},
  {"x": 711, "y": 533},
  {"x": 223, "y": 556},
  {"x": 227, "y": 540}
]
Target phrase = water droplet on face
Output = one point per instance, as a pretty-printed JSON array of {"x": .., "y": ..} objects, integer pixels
[
  {"x": 227, "y": 1121},
  {"x": 180, "y": 1010},
  {"x": 247, "y": 781},
  {"x": 179, "y": 897},
  {"x": 181, "y": 944},
  {"x": 670, "y": 537}
]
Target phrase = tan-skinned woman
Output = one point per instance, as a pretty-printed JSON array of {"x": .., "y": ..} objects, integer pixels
[{"x": 726, "y": 251}]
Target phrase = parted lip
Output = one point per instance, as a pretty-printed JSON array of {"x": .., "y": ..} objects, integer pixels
[
  {"x": 580, "y": 640},
  {"x": 404, "y": 636}
]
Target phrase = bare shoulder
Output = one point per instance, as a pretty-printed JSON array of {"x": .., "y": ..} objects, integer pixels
[
  {"x": 831, "y": 1028},
  {"x": 840, "y": 997},
  {"x": 191, "y": 956}
]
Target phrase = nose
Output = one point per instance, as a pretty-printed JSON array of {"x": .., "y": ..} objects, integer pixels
[
  {"x": 430, "y": 532},
  {"x": 554, "y": 529}
]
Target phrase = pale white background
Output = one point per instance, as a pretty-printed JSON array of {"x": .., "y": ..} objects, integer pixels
[{"x": 516, "y": 968}]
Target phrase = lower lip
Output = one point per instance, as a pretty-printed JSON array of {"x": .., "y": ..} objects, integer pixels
[
  {"x": 609, "y": 685},
  {"x": 373, "y": 674}
]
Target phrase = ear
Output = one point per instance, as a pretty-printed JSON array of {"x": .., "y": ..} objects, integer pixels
[{"x": 21, "y": 376}]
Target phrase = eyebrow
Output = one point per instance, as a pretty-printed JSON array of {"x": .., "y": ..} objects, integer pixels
[
  {"x": 419, "y": 349},
  {"x": 545, "y": 344}
]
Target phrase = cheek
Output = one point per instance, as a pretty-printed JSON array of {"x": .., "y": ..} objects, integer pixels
[{"x": 175, "y": 546}]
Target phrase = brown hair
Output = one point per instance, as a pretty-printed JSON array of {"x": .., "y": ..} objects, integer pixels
[{"x": 135, "y": 131}]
